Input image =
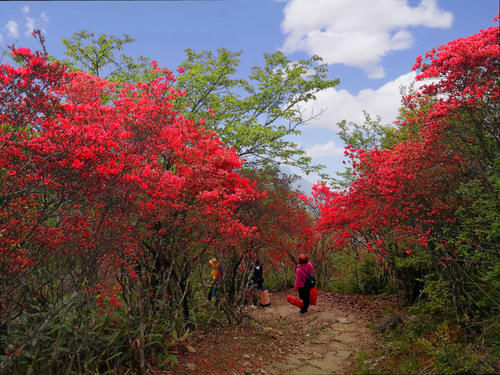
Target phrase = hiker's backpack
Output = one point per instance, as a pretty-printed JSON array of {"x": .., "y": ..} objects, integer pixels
[
  {"x": 310, "y": 281},
  {"x": 220, "y": 275}
]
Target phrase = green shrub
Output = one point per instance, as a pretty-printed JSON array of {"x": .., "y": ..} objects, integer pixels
[
  {"x": 352, "y": 276},
  {"x": 74, "y": 339},
  {"x": 450, "y": 355},
  {"x": 429, "y": 344}
]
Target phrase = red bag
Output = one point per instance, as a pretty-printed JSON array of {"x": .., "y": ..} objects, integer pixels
[
  {"x": 313, "y": 296},
  {"x": 296, "y": 301}
]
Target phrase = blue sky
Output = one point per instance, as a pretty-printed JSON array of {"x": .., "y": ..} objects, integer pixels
[{"x": 369, "y": 45}]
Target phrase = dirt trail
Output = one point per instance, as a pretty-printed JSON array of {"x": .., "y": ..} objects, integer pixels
[
  {"x": 278, "y": 340},
  {"x": 327, "y": 338}
]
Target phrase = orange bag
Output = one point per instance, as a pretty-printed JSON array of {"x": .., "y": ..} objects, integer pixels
[
  {"x": 296, "y": 301},
  {"x": 313, "y": 296},
  {"x": 264, "y": 298}
]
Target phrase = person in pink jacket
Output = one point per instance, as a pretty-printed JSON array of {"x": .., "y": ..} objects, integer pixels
[{"x": 303, "y": 269}]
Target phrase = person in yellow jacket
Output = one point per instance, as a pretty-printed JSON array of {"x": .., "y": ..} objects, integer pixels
[{"x": 214, "y": 277}]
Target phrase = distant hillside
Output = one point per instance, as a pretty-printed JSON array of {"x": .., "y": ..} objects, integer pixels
[{"x": 301, "y": 184}]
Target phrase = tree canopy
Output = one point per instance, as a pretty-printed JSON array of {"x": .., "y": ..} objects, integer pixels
[{"x": 257, "y": 115}]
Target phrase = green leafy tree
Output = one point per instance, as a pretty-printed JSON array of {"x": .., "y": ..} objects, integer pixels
[
  {"x": 255, "y": 116},
  {"x": 98, "y": 56}
]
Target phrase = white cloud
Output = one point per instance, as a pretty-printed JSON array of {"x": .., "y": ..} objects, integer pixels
[
  {"x": 327, "y": 149},
  {"x": 357, "y": 32},
  {"x": 1, "y": 39},
  {"x": 44, "y": 17},
  {"x": 32, "y": 23},
  {"x": 342, "y": 105},
  {"x": 30, "y": 26},
  {"x": 12, "y": 29}
]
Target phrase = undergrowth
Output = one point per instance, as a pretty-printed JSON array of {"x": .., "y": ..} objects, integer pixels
[{"x": 427, "y": 344}]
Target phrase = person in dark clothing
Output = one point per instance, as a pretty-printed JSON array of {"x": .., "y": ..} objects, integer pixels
[
  {"x": 303, "y": 269},
  {"x": 258, "y": 281},
  {"x": 258, "y": 275}
]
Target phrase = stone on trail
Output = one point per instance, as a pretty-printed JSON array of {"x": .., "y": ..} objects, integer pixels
[{"x": 388, "y": 323}]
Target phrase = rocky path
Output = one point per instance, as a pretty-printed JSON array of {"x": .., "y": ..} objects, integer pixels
[
  {"x": 326, "y": 340},
  {"x": 278, "y": 340}
]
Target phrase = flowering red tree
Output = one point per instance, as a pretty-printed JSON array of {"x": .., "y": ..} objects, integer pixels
[
  {"x": 108, "y": 195},
  {"x": 411, "y": 204},
  {"x": 282, "y": 224}
]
